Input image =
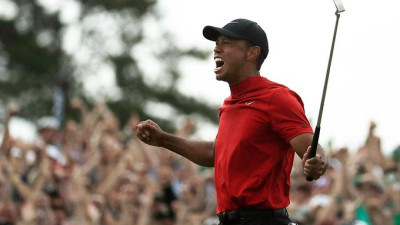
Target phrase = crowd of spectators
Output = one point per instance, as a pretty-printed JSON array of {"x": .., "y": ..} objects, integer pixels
[{"x": 96, "y": 172}]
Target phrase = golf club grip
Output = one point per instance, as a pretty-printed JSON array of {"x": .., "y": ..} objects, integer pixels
[{"x": 314, "y": 145}]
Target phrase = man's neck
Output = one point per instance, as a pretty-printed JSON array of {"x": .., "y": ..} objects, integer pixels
[{"x": 244, "y": 76}]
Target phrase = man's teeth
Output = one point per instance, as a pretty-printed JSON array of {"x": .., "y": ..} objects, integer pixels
[{"x": 219, "y": 62}]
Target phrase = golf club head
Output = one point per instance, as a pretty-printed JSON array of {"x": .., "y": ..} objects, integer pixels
[{"x": 339, "y": 6}]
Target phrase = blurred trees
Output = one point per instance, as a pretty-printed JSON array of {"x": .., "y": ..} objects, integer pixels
[{"x": 52, "y": 51}]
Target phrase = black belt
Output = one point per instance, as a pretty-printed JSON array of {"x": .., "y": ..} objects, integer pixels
[{"x": 233, "y": 216}]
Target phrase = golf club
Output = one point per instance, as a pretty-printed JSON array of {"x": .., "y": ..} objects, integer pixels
[{"x": 339, "y": 9}]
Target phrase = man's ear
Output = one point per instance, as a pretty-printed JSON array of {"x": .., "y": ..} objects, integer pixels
[{"x": 253, "y": 52}]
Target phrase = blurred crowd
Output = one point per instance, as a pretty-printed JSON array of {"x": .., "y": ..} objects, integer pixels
[
  {"x": 360, "y": 187},
  {"x": 96, "y": 172}
]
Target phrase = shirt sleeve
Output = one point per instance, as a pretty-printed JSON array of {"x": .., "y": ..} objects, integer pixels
[{"x": 287, "y": 115}]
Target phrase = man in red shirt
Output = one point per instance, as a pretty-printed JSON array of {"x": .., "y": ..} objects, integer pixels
[{"x": 262, "y": 125}]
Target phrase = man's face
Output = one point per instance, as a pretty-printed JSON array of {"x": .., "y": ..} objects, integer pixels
[{"x": 230, "y": 57}]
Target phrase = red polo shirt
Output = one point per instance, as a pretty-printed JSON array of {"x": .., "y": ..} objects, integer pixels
[{"x": 253, "y": 158}]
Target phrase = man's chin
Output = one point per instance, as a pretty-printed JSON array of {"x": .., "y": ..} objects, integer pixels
[{"x": 220, "y": 77}]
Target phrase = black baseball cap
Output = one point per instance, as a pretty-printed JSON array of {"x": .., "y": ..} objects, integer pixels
[{"x": 240, "y": 29}]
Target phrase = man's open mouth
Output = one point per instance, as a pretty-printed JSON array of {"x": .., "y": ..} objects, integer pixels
[{"x": 219, "y": 64}]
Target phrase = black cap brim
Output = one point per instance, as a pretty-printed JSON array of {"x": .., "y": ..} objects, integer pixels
[{"x": 211, "y": 33}]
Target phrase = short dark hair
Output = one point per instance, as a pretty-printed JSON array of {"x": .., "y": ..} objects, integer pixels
[{"x": 260, "y": 61}]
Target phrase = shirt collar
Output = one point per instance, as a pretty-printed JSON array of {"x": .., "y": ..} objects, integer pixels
[{"x": 245, "y": 86}]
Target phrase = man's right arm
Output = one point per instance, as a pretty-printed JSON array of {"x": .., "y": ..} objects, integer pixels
[{"x": 199, "y": 152}]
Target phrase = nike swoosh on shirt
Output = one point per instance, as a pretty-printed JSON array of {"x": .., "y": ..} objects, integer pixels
[{"x": 249, "y": 103}]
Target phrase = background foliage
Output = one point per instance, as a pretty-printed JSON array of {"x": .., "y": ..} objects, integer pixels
[{"x": 41, "y": 73}]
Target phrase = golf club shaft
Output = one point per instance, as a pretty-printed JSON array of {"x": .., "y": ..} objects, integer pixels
[{"x": 314, "y": 144}]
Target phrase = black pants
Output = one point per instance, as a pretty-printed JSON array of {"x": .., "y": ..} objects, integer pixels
[{"x": 262, "y": 219}]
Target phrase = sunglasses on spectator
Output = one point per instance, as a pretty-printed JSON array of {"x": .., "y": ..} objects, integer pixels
[{"x": 56, "y": 207}]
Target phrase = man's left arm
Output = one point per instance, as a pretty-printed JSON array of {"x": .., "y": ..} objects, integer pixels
[{"x": 314, "y": 167}]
